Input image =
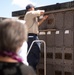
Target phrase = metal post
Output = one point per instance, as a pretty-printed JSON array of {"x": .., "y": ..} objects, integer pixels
[{"x": 44, "y": 52}]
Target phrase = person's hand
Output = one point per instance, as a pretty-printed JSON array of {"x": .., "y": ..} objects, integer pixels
[{"x": 45, "y": 17}]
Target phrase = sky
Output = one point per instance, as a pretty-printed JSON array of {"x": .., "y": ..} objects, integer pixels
[{"x": 8, "y": 6}]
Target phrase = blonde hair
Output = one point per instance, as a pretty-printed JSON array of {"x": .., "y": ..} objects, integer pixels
[{"x": 12, "y": 35}]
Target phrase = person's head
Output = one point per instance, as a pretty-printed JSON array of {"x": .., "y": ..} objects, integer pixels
[
  {"x": 30, "y": 7},
  {"x": 12, "y": 35}
]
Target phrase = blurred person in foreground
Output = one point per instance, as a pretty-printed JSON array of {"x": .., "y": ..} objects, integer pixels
[
  {"x": 12, "y": 36},
  {"x": 33, "y": 24}
]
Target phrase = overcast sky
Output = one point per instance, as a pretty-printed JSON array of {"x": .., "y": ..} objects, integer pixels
[{"x": 7, "y": 6}]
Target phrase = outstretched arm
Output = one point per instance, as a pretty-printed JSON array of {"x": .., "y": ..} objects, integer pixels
[{"x": 42, "y": 20}]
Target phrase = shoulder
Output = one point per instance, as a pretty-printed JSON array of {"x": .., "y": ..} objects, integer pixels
[
  {"x": 33, "y": 12},
  {"x": 27, "y": 70}
]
